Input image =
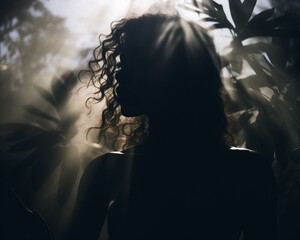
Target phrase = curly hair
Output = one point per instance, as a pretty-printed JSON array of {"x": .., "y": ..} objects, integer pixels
[{"x": 103, "y": 68}]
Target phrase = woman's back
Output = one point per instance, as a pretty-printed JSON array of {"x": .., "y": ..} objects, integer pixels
[{"x": 235, "y": 190}]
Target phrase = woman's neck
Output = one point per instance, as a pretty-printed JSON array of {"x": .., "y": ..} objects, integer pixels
[{"x": 174, "y": 131}]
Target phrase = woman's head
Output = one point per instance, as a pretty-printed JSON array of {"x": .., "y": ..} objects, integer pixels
[
  {"x": 162, "y": 60},
  {"x": 157, "y": 64}
]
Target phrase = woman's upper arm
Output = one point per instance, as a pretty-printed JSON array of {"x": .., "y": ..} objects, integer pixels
[{"x": 92, "y": 201}]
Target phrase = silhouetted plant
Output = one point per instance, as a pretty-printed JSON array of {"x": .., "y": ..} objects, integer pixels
[
  {"x": 258, "y": 43},
  {"x": 31, "y": 40},
  {"x": 47, "y": 139}
]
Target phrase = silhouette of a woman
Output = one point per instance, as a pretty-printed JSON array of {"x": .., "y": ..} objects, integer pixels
[{"x": 182, "y": 180}]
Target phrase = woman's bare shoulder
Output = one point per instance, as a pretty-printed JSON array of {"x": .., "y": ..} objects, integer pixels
[
  {"x": 110, "y": 158},
  {"x": 249, "y": 165},
  {"x": 247, "y": 156}
]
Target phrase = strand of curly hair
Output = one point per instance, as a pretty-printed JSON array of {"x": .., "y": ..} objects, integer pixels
[{"x": 115, "y": 130}]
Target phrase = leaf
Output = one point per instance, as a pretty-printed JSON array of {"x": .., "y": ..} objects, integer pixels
[
  {"x": 209, "y": 19},
  {"x": 238, "y": 101},
  {"x": 244, "y": 95},
  {"x": 68, "y": 124},
  {"x": 216, "y": 11},
  {"x": 211, "y": 6},
  {"x": 218, "y": 6},
  {"x": 236, "y": 8},
  {"x": 45, "y": 95},
  {"x": 69, "y": 119},
  {"x": 248, "y": 7},
  {"x": 235, "y": 101},
  {"x": 234, "y": 59},
  {"x": 190, "y": 7},
  {"x": 38, "y": 113},
  {"x": 262, "y": 16},
  {"x": 279, "y": 57},
  {"x": 12, "y": 132},
  {"x": 241, "y": 12},
  {"x": 44, "y": 140},
  {"x": 279, "y": 75},
  {"x": 61, "y": 88},
  {"x": 26, "y": 129},
  {"x": 261, "y": 47},
  {"x": 27, "y": 144},
  {"x": 261, "y": 32},
  {"x": 244, "y": 118},
  {"x": 195, "y": 3},
  {"x": 255, "y": 82},
  {"x": 262, "y": 27},
  {"x": 217, "y": 26},
  {"x": 275, "y": 22},
  {"x": 259, "y": 100}
]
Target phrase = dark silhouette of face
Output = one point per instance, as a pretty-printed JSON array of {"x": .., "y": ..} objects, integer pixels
[{"x": 134, "y": 78}]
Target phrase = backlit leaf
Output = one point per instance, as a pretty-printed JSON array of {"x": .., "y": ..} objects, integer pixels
[
  {"x": 38, "y": 113},
  {"x": 248, "y": 7},
  {"x": 45, "y": 95},
  {"x": 61, "y": 88},
  {"x": 262, "y": 16},
  {"x": 236, "y": 12},
  {"x": 27, "y": 144}
]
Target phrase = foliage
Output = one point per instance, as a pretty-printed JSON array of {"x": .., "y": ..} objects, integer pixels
[
  {"x": 13, "y": 8},
  {"x": 32, "y": 39},
  {"x": 45, "y": 143},
  {"x": 265, "y": 103},
  {"x": 34, "y": 45},
  {"x": 261, "y": 101}
]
